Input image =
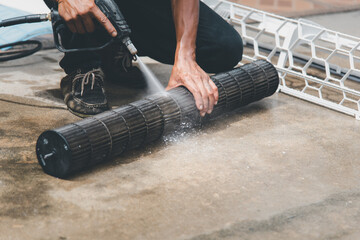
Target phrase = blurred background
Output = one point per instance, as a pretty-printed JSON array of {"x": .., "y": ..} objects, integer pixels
[{"x": 33, "y": 6}]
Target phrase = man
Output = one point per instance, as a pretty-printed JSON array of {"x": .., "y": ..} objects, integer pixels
[{"x": 185, "y": 33}]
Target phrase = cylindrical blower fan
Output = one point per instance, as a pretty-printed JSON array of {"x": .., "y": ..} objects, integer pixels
[{"x": 77, "y": 146}]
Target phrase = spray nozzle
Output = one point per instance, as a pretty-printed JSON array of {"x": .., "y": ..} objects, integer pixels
[{"x": 130, "y": 46}]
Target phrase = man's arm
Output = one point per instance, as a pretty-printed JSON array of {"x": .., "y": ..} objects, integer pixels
[
  {"x": 79, "y": 15},
  {"x": 186, "y": 71}
]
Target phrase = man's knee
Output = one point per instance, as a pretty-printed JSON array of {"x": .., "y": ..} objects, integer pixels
[
  {"x": 227, "y": 53},
  {"x": 232, "y": 50}
]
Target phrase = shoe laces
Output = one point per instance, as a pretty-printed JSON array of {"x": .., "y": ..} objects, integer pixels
[{"x": 87, "y": 78}]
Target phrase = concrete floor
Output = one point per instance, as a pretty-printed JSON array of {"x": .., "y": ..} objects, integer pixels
[{"x": 281, "y": 168}]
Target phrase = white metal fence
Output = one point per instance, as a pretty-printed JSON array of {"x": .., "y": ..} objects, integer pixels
[{"x": 314, "y": 63}]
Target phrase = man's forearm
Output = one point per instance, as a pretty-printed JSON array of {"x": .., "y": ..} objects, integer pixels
[
  {"x": 186, "y": 72},
  {"x": 186, "y": 18}
]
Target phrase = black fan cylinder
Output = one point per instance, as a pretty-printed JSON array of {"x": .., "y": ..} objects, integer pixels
[{"x": 77, "y": 146}]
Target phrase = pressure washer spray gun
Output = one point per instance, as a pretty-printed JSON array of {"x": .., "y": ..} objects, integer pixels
[{"x": 63, "y": 36}]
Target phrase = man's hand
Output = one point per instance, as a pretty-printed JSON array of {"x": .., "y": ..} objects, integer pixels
[
  {"x": 79, "y": 15},
  {"x": 188, "y": 73}
]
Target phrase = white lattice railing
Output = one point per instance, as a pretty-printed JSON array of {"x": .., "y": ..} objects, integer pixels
[{"x": 314, "y": 63}]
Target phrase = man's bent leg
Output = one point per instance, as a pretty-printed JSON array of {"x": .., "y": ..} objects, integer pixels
[
  {"x": 219, "y": 46},
  {"x": 73, "y": 61},
  {"x": 83, "y": 87}
]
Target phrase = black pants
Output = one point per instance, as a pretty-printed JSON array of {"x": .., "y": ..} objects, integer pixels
[{"x": 219, "y": 47}]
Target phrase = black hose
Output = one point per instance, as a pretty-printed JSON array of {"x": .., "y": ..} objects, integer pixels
[
  {"x": 34, "y": 18},
  {"x": 4, "y": 56}
]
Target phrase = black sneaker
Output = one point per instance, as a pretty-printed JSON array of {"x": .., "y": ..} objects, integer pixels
[
  {"x": 84, "y": 92},
  {"x": 118, "y": 68}
]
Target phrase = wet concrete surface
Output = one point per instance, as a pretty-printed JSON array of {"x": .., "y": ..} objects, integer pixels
[{"x": 281, "y": 168}]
